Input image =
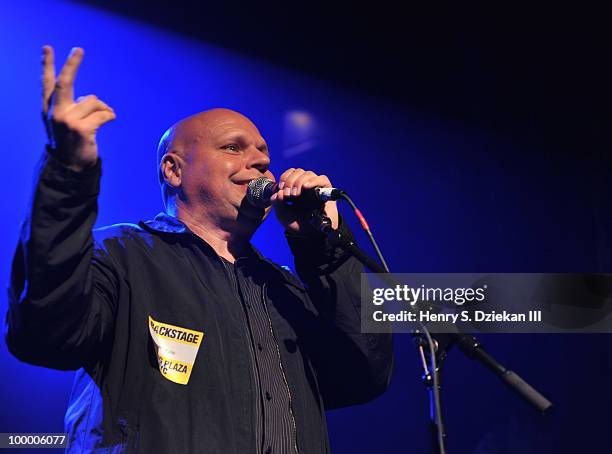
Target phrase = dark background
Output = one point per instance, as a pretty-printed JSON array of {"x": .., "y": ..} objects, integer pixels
[
  {"x": 531, "y": 70},
  {"x": 473, "y": 136}
]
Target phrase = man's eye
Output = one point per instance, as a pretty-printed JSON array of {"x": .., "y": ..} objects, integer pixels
[{"x": 232, "y": 147}]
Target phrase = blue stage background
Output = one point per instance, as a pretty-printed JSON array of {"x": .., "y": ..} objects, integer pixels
[{"x": 439, "y": 196}]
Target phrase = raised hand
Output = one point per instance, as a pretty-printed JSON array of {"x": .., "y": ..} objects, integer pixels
[{"x": 71, "y": 125}]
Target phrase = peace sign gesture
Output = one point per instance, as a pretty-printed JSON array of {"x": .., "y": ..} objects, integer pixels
[{"x": 71, "y": 125}]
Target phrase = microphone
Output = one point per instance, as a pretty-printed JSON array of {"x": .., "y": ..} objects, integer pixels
[{"x": 261, "y": 189}]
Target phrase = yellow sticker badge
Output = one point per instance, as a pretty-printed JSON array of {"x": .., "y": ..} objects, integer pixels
[{"x": 176, "y": 350}]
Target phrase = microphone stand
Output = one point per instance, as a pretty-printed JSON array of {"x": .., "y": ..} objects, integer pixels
[{"x": 468, "y": 344}]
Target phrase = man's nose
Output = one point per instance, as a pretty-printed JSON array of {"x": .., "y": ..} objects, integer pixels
[{"x": 259, "y": 160}]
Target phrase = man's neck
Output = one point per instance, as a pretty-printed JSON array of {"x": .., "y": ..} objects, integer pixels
[{"x": 226, "y": 244}]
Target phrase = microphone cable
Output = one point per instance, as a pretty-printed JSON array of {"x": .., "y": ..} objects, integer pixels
[{"x": 433, "y": 369}]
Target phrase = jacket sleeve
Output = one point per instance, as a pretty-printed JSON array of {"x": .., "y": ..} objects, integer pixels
[
  {"x": 62, "y": 290},
  {"x": 352, "y": 367}
]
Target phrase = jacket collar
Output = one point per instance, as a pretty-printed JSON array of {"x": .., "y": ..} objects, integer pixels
[{"x": 166, "y": 223}]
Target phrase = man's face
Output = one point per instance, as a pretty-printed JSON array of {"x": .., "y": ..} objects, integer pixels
[{"x": 225, "y": 154}]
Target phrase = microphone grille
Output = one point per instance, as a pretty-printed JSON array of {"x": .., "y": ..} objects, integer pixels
[{"x": 259, "y": 192}]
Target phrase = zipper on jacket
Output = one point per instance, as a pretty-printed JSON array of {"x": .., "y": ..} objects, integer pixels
[{"x": 280, "y": 363}]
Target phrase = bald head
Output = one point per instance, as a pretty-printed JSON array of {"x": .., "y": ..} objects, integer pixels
[
  {"x": 185, "y": 136},
  {"x": 181, "y": 136}
]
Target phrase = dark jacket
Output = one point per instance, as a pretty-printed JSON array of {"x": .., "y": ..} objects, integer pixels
[{"x": 83, "y": 300}]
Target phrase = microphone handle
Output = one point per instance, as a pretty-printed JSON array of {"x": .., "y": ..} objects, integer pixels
[{"x": 313, "y": 197}]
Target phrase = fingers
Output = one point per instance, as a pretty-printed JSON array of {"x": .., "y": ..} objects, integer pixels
[
  {"x": 86, "y": 105},
  {"x": 93, "y": 112},
  {"x": 319, "y": 180},
  {"x": 293, "y": 181},
  {"x": 64, "y": 85},
  {"x": 298, "y": 182},
  {"x": 48, "y": 76},
  {"x": 84, "y": 115},
  {"x": 97, "y": 119}
]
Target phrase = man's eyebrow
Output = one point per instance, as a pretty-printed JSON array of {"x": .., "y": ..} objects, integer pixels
[
  {"x": 241, "y": 139},
  {"x": 233, "y": 137}
]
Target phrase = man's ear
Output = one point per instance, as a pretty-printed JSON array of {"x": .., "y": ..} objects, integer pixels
[{"x": 171, "y": 169}]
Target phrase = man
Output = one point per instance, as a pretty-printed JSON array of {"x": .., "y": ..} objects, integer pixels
[{"x": 185, "y": 338}]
